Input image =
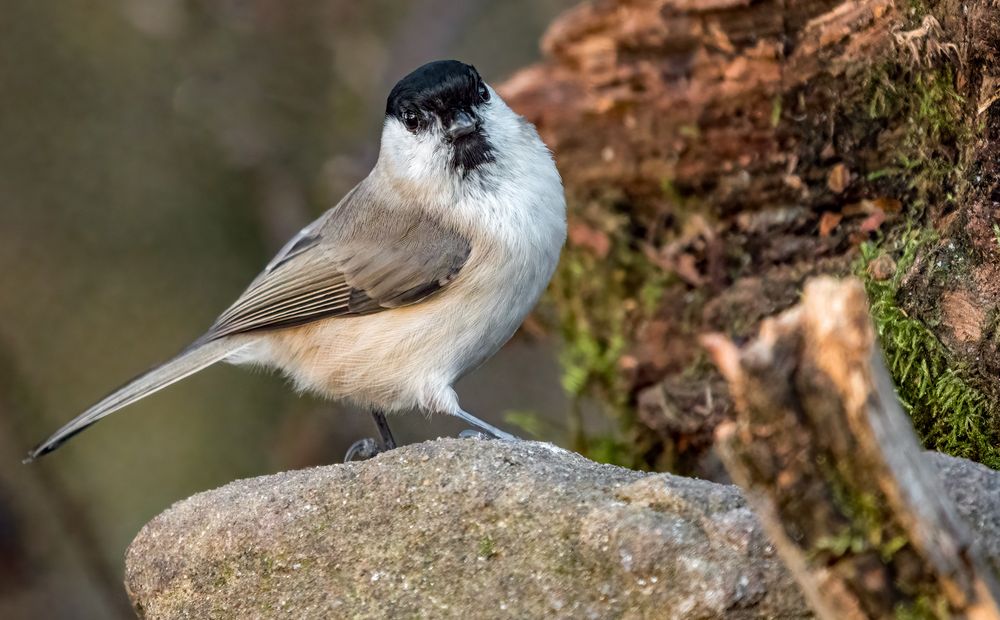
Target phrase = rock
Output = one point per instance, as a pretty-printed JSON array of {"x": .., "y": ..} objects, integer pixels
[
  {"x": 975, "y": 491},
  {"x": 478, "y": 529}
]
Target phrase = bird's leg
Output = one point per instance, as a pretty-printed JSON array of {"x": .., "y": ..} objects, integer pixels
[
  {"x": 487, "y": 429},
  {"x": 366, "y": 448},
  {"x": 388, "y": 441}
]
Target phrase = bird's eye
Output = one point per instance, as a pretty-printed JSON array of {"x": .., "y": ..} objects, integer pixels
[
  {"x": 484, "y": 93},
  {"x": 411, "y": 119}
]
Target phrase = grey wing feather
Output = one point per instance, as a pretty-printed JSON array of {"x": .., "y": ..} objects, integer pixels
[
  {"x": 303, "y": 240},
  {"x": 366, "y": 255}
]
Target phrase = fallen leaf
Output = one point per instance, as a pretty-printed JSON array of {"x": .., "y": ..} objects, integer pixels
[
  {"x": 828, "y": 222},
  {"x": 868, "y": 206},
  {"x": 873, "y": 222},
  {"x": 886, "y": 205},
  {"x": 839, "y": 178},
  {"x": 793, "y": 181}
]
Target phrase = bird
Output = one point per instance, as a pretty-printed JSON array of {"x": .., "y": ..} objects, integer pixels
[{"x": 417, "y": 276}]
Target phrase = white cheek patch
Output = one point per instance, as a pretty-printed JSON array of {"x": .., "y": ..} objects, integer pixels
[
  {"x": 501, "y": 123},
  {"x": 422, "y": 156},
  {"x": 427, "y": 160}
]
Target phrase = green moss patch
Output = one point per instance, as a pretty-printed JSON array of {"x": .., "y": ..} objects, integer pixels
[
  {"x": 948, "y": 411},
  {"x": 931, "y": 110},
  {"x": 604, "y": 288}
]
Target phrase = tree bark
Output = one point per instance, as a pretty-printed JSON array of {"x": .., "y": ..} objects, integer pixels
[
  {"x": 832, "y": 467},
  {"x": 717, "y": 154}
]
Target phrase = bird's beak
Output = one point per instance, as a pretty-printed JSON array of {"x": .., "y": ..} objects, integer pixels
[{"x": 461, "y": 125}]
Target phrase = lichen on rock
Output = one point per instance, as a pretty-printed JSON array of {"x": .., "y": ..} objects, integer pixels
[{"x": 484, "y": 529}]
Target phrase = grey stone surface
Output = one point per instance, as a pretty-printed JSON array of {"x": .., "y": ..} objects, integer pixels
[
  {"x": 475, "y": 529},
  {"x": 975, "y": 490}
]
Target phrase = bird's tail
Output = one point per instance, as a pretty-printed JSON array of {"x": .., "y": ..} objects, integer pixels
[{"x": 196, "y": 357}]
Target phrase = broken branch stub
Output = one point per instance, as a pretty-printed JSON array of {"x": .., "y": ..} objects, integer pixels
[{"x": 832, "y": 466}]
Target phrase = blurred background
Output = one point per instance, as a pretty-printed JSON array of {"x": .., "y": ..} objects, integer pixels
[{"x": 154, "y": 154}]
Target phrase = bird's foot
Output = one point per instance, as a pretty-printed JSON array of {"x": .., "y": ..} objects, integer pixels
[
  {"x": 362, "y": 450},
  {"x": 367, "y": 448},
  {"x": 487, "y": 430},
  {"x": 472, "y": 433}
]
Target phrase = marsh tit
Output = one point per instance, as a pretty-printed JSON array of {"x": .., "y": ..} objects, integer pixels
[{"x": 420, "y": 273}]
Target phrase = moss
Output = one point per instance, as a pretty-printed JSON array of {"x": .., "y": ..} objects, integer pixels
[
  {"x": 871, "y": 529},
  {"x": 916, "y": 89},
  {"x": 930, "y": 109},
  {"x": 948, "y": 411},
  {"x": 601, "y": 295},
  {"x": 776, "y": 109},
  {"x": 870, "y": 526},
  {"x": 923, "y": 608},
  {"x": 839, "y": 544},
  {"x": 487, "y": 547},
  {"x": 900, "y": 125},
  {"x": 223, "y": 573}
]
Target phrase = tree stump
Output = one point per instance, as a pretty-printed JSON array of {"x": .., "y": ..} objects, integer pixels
[{"x": 832, "y": 467}]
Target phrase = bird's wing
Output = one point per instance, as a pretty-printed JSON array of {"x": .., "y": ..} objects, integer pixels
[{"x": 370, "y": 253}]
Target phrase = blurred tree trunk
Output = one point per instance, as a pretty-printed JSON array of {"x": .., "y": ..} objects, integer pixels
[{"x": 718, "y": 153}]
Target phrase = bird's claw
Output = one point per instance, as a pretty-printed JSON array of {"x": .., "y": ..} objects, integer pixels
[
  {"x": 362, "y": 450},
  {"x": 473, "y": 433}
]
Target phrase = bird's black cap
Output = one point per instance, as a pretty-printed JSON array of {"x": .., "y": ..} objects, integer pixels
[{"x": 436, "y": 87}]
